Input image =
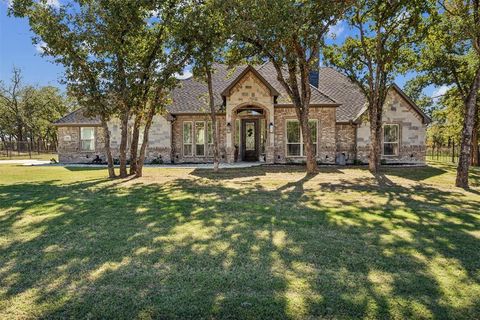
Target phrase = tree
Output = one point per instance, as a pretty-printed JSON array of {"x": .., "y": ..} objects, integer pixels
[
  {"x": 290, "y": 35},
  {"x": 27, "y": 112},
  {"x": 386, "y": 33},
  {"x": 450, "y": 56},
  {"x": 203, "y": 28},
  {"x": 112, "y": 52}
]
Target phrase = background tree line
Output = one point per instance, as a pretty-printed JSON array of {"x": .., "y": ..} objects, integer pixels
[
  {"x": 27, "y": 113},
  {"x": 121, "y": 57}
]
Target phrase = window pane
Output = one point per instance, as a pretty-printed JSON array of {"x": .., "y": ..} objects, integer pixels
[
  {"x": 209, "y": 132},
  {"x": 200, "y": 132},
  {"x": 293, "y": 131},
  {"x": 293, "y": 149},
  {"x": 390, "y": 149},
  {"x": 86, "y": 133},
  {"x": 87, "y": 145},
  {"x": 187, "y": 149},
  {"x": 390, "y": 133},
  {"x": 187, "y": 132},
  {"x": 249, "y": 136},
  {"x": 313, "y": 129},
  {"x": 200, "y": 150}
]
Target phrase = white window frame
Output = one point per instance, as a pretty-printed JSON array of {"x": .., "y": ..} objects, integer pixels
[
  {"x": 192, "y": 135},
  {"x": 397, "y": 142},
  {"x": 302, "y": 154},
  {"x": 82, "y": 139}
]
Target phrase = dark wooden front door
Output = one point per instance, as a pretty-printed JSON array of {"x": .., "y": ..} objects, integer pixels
[{"x": 250, "y": 140}]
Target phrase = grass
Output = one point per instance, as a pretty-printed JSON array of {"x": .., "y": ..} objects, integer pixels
[
  {"x": 26, "y": 156},
  {"x": 265, "y": 242}
]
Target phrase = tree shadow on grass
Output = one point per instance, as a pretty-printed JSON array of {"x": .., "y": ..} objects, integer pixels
[
  {"x": 256, "y": 172},
  {"x": 192, "y": 248}
]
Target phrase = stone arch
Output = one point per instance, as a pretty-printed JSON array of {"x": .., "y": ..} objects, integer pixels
[{"x": 267, "y": 116}]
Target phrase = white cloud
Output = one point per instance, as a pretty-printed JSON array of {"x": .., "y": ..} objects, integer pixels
[
  {"x": 184, "y": 75},
  {"x": 40, "y": 47},
  {"x": 53, "y": 3},
  {"x": 440, "y": 91},
  {"x": 336, "y": 30}
]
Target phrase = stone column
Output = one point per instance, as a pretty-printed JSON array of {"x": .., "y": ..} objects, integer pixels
[
  {"x": 229, "y": 147},
  {"x": 270, "y": 148}
]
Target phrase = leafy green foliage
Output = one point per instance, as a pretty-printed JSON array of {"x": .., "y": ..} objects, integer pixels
[{"x": 27, "y": 112}]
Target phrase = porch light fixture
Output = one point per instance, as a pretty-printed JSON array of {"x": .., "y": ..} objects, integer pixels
[
  {"x": 270, "y": 127},
  {"x": 229, "y": 127}
]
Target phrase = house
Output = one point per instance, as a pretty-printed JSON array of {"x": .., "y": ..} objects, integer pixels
[{"x": 257, "y": 122}]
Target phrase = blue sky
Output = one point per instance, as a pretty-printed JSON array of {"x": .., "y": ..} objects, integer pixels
[{"x": 16, "y": 49}]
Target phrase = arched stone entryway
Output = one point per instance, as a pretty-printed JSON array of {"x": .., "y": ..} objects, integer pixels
[{"x": 250, "y": 133}]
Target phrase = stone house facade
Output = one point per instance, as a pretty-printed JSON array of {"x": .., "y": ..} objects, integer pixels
[{"x": 256, "y": 121}]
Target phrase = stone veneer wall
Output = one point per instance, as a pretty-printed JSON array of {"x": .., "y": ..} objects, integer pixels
[
  {"x": 249, "y": 91},
  {"x": 412, "y": 132},
  {"x": 177, "y": 138},
  {"x": 69, "y": 145},
  {"x": 326, "y": 145},
  {"x": 158, "y": 144},
  {"x": 345, "y": 141}
]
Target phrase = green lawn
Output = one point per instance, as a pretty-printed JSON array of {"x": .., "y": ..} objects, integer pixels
[
  {"x": 265, "y": 242},
  {"x": 26, "y": 156}
]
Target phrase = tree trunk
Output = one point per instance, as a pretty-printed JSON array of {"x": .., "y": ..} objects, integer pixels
[
  {"x": 468, "y": 124},
  {"x": 476, "y": 127},
  {"x": 214, "y": 120},
  {"x": 375, "y": 118},
  {"x": 123, "y": 144},
  {"x": 108, "y": 150},
  {"x": 143, "y": 148},
  {"x": 311, "y": 161},
  {"x": 134, "y": 144}
]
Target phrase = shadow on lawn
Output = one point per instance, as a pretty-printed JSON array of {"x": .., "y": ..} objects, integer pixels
[{"x": 193, "y": 248}]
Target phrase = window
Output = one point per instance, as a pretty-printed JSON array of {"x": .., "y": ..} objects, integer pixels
[
  {"x": 390, "y": 139},
  {"x": 200, "y": 138},
  {"x": 187, "y": 138},
  {"x": 87, "y": 138},
  {"x": 209, "y": 139},
  {"x": 295, "y": 145}
]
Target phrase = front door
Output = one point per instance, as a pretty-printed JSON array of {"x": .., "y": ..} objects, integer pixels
[{"x": 250, "y": 140}]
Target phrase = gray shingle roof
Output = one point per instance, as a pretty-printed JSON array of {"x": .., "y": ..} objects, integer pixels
[
  {"x": 191, "y": 95},
  {"x": 268, "y": 71},
  {"x": 77, "y": 117},
  {"x": 343, "y": 90}
]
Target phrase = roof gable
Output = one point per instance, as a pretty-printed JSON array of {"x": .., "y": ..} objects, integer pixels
[
  {"x": 425, "y": 117},
  {"x": 78, "y": 118},
  {"x": 244, "y": 73}
]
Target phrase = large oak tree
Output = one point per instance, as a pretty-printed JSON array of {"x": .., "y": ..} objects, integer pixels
[
  {"x": 381, "y": 47},
  {"x": 290, "y": 34}
]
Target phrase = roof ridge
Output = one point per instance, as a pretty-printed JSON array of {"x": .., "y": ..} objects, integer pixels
[
  {"x": 324, "y": 94},
  {"x": 68, "y": 114}
]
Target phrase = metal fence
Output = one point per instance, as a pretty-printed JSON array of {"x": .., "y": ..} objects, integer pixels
[
  {"x": 10, "y": 149},
  {"x": 448, "y": 154},
  {"x": 443, "y": 153}
]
